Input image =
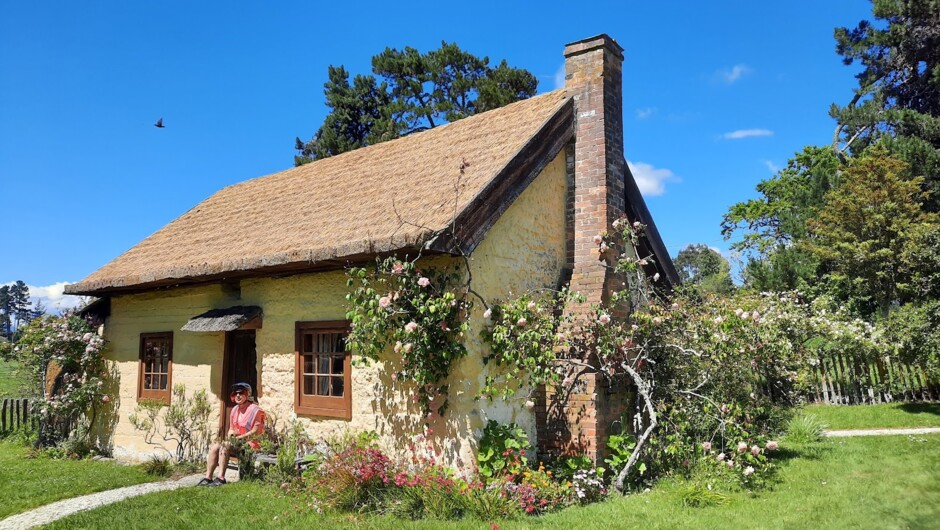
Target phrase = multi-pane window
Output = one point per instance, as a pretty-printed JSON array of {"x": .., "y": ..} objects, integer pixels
[
  {"x": 156, "y": 363},
  {"x": 322, "y": 371}
]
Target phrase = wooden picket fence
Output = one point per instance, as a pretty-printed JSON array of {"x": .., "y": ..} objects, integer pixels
[
  {"x": 845, "y": 379},
  {"x": 16, "y": 414}
]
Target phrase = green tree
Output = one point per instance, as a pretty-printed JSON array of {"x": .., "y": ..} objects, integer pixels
[
  {"x": 15, "y": 308},
  {"x": 771, "y": 225},
  {"x": 417, "y": 91},
  {"x": 897, "y": 100},
  {"x": 704, "y": 269},
  {"x": 866, "y": 230}
]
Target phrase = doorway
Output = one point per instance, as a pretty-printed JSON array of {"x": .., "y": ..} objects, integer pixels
[{"x": 239, "y": 365}]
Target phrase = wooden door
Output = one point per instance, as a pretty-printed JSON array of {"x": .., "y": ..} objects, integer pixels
[{"x": 240, "y": 365}]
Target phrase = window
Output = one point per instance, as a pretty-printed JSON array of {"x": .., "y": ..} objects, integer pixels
[
  {"x": 156, "y": 366},
  {"x": 322, "y": 372}
]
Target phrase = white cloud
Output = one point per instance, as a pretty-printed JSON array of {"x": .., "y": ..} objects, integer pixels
[
  {"x": 651, "y": 180},
  {"x": 746, "y": 133},
  {"x": 559, "y": 77},
  {"x": 774, "y": 168},
  {"x": 52, "y": 297},
  {"x": 642, "y": 114},
  {"x": 731, "y": 75}
]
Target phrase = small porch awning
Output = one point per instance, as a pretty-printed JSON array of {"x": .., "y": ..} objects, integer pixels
[{"x": 228, "y": 319}]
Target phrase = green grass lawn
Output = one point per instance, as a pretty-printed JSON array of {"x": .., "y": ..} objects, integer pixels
[
  {"x": 889, "y": 415},
  {"x": 872, "y": 482},
  {"x": 10, "y": 382},
  {"x": 26, "y": 483}
]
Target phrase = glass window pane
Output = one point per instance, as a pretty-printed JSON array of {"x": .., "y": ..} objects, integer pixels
[
  {"x": 323, "y": 364},
  {"x": 337, "y": 386},
  {"x": 339, "y": 344},
  {"x": 308, "y": 342},
  {"x": 147, "y": 381},
  {"x": 308, "y": 364},
  {"x": 308, "y": 385},
  {"x": 165, "y": 365},
  {"x": 323, "y": 385},
  {"x": 163, "y": 382},
  {"x": 338, "y": 362}
]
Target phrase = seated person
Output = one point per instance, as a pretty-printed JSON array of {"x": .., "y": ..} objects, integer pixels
[{"x": 246, "y": 421}]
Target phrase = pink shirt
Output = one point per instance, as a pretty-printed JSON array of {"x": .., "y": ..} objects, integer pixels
[{"x": 243, "y": 422}]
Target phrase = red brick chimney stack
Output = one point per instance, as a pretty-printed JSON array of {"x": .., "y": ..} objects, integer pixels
[{"x": 594, "y": 78}]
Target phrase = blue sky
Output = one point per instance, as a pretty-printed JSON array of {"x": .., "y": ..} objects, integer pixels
[{"x": 717, "y": 96}]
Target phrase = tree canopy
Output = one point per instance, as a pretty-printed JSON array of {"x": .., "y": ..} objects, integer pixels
[
  {"x": 410, "y": 91},
  {"x": 898, "y": 96},
  {"x": 15, "y": 308},
  {"x": 704, "y": 269}
]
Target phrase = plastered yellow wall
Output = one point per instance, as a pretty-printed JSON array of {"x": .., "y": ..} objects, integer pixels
[
  {"x": 525, "y": 250},
  {"x": 197, "y": 357}
]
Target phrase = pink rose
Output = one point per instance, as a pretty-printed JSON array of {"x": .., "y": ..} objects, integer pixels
[
  {"x": 411, "y": 327},
  {"x": 604, "y": 319},
  {"x": 730, "y": 463},
  {"x": 637, "y": 225},
  {"x": 530, "y": 404},
  {"x": 772, "y": 446},
  {"x": 397, "y": 347},
  {"x": 656, "y": 277},
  {"x": 521, "y": 322},
  {"x": 487, "y": 314},
  {"x": 706, "y": 446},
  {"x": 408, "y": 347},
  {"x": 748, "y": 471},
  {"x": 394, "y": 376},
  {"x": 384, "y": 302},
  {"x": 742, "y": 447},
  {"x": 397, "y": 268},
  {"x": 720, "y": 457},
  {"x": 598, "y": 239},
  {"x": 424, "y": 282},
  {"x": 755, "y": 450},
  {"x": 105, "y": 399},
  {"x": 531, "y": 306}
]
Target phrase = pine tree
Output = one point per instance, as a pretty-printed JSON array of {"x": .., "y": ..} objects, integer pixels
[{"x": 417, "y": 91}]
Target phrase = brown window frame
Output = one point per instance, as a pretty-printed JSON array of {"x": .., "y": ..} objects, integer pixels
[
  {"x": 159, "y": 395},
  {"x": 314, "y": 405}
]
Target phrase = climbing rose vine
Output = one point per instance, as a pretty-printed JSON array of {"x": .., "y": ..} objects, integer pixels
[
  {"x": 417, "y": 313},
  {"x": 65, "y": 347}
]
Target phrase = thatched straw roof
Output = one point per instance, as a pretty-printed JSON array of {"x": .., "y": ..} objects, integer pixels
[
  {"x": 228, "y": 319},
  {"x": 394, "y": 195}
]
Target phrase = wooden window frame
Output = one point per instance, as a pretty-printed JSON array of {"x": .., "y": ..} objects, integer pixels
[
  {"x": 162, "y": 396},
  {"x": 325, "y": 406}
]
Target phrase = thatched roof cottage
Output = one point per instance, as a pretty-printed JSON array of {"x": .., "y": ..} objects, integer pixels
[{"x": 226, "y": 292}]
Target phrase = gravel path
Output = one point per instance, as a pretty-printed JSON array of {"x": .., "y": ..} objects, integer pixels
[
  {"x": 57, "y": 510},
  {"x": 882, "y": 432}
]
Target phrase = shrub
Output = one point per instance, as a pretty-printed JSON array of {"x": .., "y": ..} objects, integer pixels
[
  {"x": 502, "y": 450},
  {"x": 805, "y": 429},
  {"x": 699, "y": 496},
  {"x": 353, "y": 479},
  {"x": 185, "y": 422},
  {"x": 157, "y": 465}
]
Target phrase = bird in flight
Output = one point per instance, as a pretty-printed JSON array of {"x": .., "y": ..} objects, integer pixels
[{"x": 159, "y": 124}]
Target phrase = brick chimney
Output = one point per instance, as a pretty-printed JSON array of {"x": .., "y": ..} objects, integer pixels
[
  {"x": 594, "y": 78},
  {"x": 579, "y": 419}
]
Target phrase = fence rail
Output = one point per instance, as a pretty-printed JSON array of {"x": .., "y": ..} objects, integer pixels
[
  {"x": 845, "y": 379},
  {"x": 15, "y": 414}
]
